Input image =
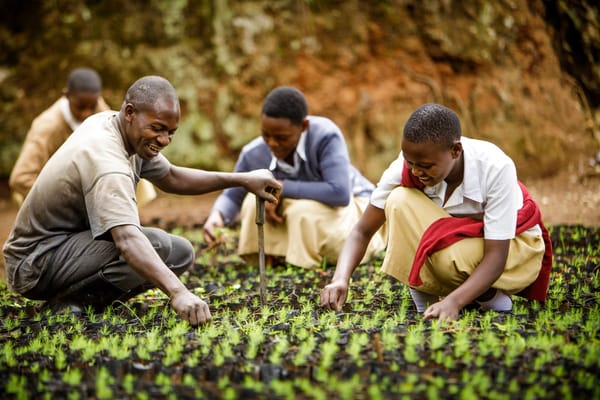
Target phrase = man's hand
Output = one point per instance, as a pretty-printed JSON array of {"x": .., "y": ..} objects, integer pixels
[
  {"x": 214, "y": 220},
  {"x": 334, "y": 295},
  {"x": 190, "y": 308},
  {"x": 444, "y": 309},
  {"x": 262, "y": 183}
]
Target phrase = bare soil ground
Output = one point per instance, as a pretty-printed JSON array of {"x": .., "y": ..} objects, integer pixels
[{"x": 569, "y": 198}]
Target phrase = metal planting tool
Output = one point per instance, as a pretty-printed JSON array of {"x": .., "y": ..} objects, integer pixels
[{"x": 260, "y": 221}]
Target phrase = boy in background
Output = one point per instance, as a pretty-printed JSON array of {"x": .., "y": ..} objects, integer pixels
[
  {"x": 323, "y": 195},
  {"x": 81, "y": 98}
]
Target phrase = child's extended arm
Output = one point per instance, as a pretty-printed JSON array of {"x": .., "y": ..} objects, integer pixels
[
  {"x": 334, "y": 294},
  {"x": 487, "y": 272}
]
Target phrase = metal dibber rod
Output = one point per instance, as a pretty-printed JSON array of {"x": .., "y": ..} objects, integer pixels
[{"x": 260, "y": 221}]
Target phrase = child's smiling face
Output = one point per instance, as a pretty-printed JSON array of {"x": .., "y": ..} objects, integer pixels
[{"x": 431, "y": 162}]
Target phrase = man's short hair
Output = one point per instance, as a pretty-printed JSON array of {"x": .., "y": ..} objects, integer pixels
[
  {"x": 84, "y": 80},
  {"x": 286, "y": 102},
  {"x": 433, "y": 123},
  {"x": 144, "y": 92}
]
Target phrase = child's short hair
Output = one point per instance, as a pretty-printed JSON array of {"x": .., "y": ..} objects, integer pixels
[
  {"x": 286, "y": 102},
  {"x": 433, "y": 123},
  {"x": 84, "y": 80}
]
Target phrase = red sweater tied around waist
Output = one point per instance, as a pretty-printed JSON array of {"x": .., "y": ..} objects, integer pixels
[{"x": 446, "y": 231}]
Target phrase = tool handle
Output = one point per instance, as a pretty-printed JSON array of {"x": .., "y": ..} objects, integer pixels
[
  {"x": 260, "y": 211},
  {"x": 260, "y": 221}
]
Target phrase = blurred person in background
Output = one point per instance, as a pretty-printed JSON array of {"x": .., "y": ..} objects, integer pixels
[{"x": 81, "y": 98}]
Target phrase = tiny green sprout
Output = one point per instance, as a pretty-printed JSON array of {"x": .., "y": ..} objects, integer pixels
[
  {"x": 143, "y": 395},
  {"x": 73, "y": 395},
  {"x": 193, "y": 359},
  {"x": 104, "y": 380},
  {"x": 328, "y": 352},
  {"x": 243, "y": 314},
  {"x": 280, "y": 349},
  {"x": 91, "y": 314},
  {"x": 302, "y": 334},
  {"x": 173, "y": 351},
  {"x": 8, "y": 355},
  {"x": 234, "y": 336},
  {"x": 10, "y": 323},
  {"x": 218, "y": 357},
  {"x": 189, "y": 381},
  {"x": 410, "y": 354},
  {"x": 256, "y": 337},
  {"x": 229, "y": 393},
  {"x": 88, "y": 353},
  {"x": 17, "y": 386},
  {"x": 105, "y": 330},
  {"x": 310, "y": 390},
  {"x": 437, "y": 339},
  {"x": 305, "y": 349},
  {"x": 265, "y": 313},
  {"x": 128, "y": 384},
  {"x": 375, "y": 391},
  {"x": 282, "y": 313},
  {"x": 45, "y": 375},
  {"x": 163, "y": 382},
  {"x": 592, "y": 357},
  {"x": 178, "y": 329},
  {"x": 72, "y": 376},
  {"x": 389, "y": 339},
  {"x": 355, "y": 346},
  {"x": 401, "y": 314},
  {"x": 153, "y": 340},
  {"x": 283, "y": 389},
  {"x": 409, "y": 383},
  {"x": 60, "y": 359}
]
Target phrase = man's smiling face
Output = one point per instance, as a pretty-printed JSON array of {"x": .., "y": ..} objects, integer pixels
[{"x": 149, "y": 131}]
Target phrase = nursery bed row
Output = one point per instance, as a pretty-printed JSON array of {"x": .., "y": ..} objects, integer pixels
[{"x": 377, "y": 347}]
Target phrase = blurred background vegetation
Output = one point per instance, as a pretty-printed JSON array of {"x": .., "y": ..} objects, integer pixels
[{"x": 522, "y": 73}]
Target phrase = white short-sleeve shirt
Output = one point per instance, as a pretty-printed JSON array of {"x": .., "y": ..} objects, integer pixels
[{"x": 489, "y": 187}]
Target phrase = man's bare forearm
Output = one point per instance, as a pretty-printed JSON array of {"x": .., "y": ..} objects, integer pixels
[{"x": 137, "y": 250}]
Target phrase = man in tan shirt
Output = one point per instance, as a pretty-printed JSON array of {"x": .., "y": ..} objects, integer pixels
[
  {"x": 81, "y": 98},
  {"x": 77, "y": 240}
]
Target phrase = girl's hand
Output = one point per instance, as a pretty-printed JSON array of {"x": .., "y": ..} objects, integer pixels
[{"x": 444, "y": 309}]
